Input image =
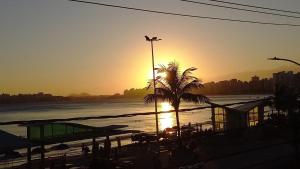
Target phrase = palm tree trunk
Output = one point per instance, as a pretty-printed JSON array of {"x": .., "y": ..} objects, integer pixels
[{"x": 178, "y": 123}]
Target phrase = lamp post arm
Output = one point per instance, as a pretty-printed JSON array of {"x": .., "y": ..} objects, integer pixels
[
  {"x": 283, "y": 59},
  {"x": 288, "y": 60}
]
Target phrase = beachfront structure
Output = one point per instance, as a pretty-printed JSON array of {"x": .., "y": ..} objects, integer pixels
[
  {"x": 46, "y": 133},
  {"x": 243, "y": 116},
  {"x": 42, "y": 133}
]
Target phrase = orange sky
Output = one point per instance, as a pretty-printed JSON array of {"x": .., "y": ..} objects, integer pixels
[{"x": 60, "y": 47}]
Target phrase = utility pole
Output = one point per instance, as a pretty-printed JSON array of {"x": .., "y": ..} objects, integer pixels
[{"x": 151, "y": 40}]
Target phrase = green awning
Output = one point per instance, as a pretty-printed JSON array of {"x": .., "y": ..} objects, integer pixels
[{"x": 50, "y": 133}]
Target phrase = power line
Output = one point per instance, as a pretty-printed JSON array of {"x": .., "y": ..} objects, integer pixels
[
  {"x": 186, "y": 15},
  {"x": 254, "y": 6},
  {"x": 241, "y": 9}
]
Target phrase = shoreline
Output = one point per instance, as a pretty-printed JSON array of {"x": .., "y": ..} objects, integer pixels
[{"x": 122, "y": 99}]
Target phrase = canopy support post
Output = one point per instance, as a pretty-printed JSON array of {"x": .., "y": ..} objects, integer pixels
[
  {"x": 42, "y": 147},
  {"x": 213, "y": 118},
  {"x": 28, "y": 149}
]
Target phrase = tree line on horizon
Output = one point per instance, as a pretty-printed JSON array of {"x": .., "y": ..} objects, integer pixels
[
  {"x": 226, "y": 87},
  {"x": 49, "y": 98},
  {"x": 235, "y": 86}
]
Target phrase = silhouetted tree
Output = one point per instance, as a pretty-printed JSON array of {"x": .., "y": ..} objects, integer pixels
[
  {"x": 286, "y": 100},
  {"x": 175, "y": 87}
]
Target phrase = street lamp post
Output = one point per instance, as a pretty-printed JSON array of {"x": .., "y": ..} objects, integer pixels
[
  {"x": 288, "y": 60},
  {"x": 151, "y": 40}
]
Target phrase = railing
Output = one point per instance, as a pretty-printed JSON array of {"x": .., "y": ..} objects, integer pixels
[
  {"x": 75, "y": 149},
  {"x": 21, "y": 122},
  {"x": 124, "y": 138}
]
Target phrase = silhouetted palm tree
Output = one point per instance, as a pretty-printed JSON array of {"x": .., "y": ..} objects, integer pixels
[
  {"x": 286, "y": 100},
  {"x": 175, "y": 87}
]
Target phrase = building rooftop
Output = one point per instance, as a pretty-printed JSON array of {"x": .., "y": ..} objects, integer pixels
[{"x": 249, "y": 106}]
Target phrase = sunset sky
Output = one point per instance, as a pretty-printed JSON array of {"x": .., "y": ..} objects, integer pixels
[{"x": 63, "y": 47}]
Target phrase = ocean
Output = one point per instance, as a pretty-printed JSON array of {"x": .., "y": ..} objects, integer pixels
[{"x": 143, "y": 123}]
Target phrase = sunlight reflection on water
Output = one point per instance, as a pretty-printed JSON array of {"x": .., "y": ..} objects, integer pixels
[
  {"x": 166, "y": 120},
  {"x": 143, "y": 123}
]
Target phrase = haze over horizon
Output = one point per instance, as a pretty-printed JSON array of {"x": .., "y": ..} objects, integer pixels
[{"x": 62, "y": 47}]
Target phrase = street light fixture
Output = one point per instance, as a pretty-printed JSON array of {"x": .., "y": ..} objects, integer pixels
[
  {"x": 151, "y": 40},
  {"x": 288, "y": 60}
]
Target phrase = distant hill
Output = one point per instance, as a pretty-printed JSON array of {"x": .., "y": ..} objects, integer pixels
[{"x": 49, "y": 98}]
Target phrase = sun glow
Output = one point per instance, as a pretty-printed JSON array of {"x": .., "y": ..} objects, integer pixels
[
  {"x": 166, "y": 119},
  {"x": 162, "y": 75},
  {"x": 165, "y": 106}
]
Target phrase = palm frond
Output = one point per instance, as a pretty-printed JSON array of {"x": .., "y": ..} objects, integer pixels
[
  {"x": 159, "y": 81},
  {"x": 150, "y": 84},
  {"x": 172, "y": 77},
  {"x": 195, "y": 98},
  {"x": 166, "y": 92},
  {"x": 195, "y": 84},
  {"x": 149, "y": 98},
  {"x": 188, "y": 78},
  {"x": 162, "y": 68},
  {"x": 186, "y": 75},
  {"x": 175, "y": 86},
  {"x": 188, "y": 71},
  {"x": 174, "y": 68}
]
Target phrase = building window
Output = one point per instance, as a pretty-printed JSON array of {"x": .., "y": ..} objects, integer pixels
[
  {"x": 220, "y": 118},
  {"x": 253, "y": 117}
]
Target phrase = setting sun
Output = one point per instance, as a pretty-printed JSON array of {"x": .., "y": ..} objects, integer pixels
[
  {"x": 150, "y": 74},
  {"x": 165, "y": 106}
]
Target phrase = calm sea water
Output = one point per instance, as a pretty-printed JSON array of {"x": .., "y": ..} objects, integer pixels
[{"x": 144, "y": 123}]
